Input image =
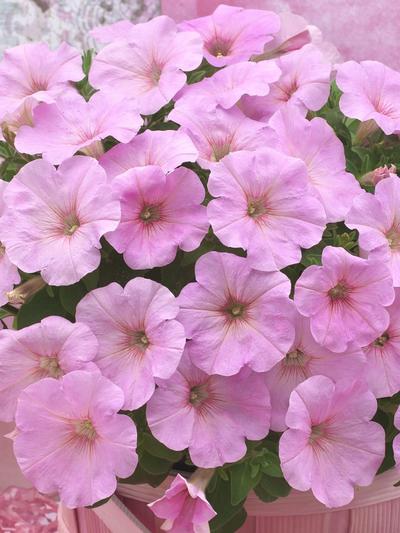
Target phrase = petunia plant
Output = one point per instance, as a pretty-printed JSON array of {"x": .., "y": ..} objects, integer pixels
[{"x": 200, "y": 265}]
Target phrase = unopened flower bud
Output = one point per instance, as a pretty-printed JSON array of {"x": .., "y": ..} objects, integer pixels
[
  {"x": 26, "y": 290},
  {"x": 377, "y": 175}
]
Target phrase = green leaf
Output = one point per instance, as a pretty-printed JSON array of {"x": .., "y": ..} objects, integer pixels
[
  {"x": 234, "y": 524},
  {"x": 99, "y": 503},
  {"x": 70, "y": 296},
  {"x": 269, "y": 463},
  {"x": 264, "y": 495},
  {"x": 242, "y": 481},
  {"x": 277, "y": 487},
  {"x": 39, "y": 307},
  {"x": 91, "y": 280},
  {"x": 140, "y": 476},
  {"x": 153, "y": 447},
  {"x": 154, "y": 465},
  {"x": 220, "y": 499}
]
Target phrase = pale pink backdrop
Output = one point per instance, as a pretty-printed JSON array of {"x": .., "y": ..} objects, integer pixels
[{"x": 360, "y": 29}]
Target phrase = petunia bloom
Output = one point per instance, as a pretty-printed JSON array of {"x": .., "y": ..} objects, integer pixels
[
  {"x": 345, "y": 299},
  {"x": 377, "y": 219},
  {"x": 236, "y": 316},
  {"x": 167, "y": 149},
  {"x": 9, "y": 275},
  {"x": 307, "y": 358},
  {"x": 149, "y": 66},
  {"x": 217, "y": 132},
  {"x": 233, "y": 34},
  {"x": 315, "y": 143},
  {"x": 57, "y": 218},
  {"x": 383, "y": 356},
  {"x": 304, "y": 83},
  {"x": 50, "y": 348},
  {"x": 331, "y": 444},
  {"x": 70, "y": 438},
  {"x": 32, "y": 73},
  {"x": 214, "y": 414},
  {"x": 184, "y": 505},
  {"x": 264, "y": 205},
  {"x": 228, "y": 85},
  {"x": 371, "y": 91},
  {"x": 139, "y": 338},
  {"x": 72, "y": 124},
  {"x": 159, "y": 214}
]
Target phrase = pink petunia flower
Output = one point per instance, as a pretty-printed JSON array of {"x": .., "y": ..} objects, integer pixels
[
  {"x": 184, "y": 505},
  {"x": 57, "y": 218},
  {"x": 217, "y": 132},
  {"x": 72, "y": 124},
  {"x": 159, "y": 214},
  {"x": 233, "y": 34},
  {"x": 50, "y": 348},
  {"x": 383, "y": 356},
  {"x": 264, "y": 206},
  {"x": 331, "y": 444},
  {"x": 121, "y": 30},
  {"x": 149, "y": 66},
  {"x": 139, "y": 340},
  {"x": 377, "y": 219},
  {"x": 371, "y": 91},
  {"x": 71, "y": 439},
  {"x": 9, "y": 275},
  {"x": 306, "y": 358},
  {"x": 304, "y": 83},
  {"x": 228, "y": 85},
  {"x": 316, "y": 144},
  {"x": 396, "y": 440},
  {"x": 32, "y": 73},
  {"x": 236, "y": 316},
  {"x": 167, "y": 149},
  {"x": 215, "y": 414},
  {"x": 345, "y": 299}
]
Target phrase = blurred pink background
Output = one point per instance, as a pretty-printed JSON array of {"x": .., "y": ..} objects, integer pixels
[{"x": 360, "y": 29}]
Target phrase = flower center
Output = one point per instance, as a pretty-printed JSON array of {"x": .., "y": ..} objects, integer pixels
[
  {"x": 382, "y": 340},
  {"x": 155, "y": 73},
  {"x": 2, "y": 249},
  {"x": 220, "y": 150},
  {"x": 317, "y": 432},
  {"x": 71, "y": 224},
  {"x": 150, "y": 213},
  {"x": 338, "y": 292},
  {"x": 140, "y": 340},
  {"x": 235, "y": 310},
  {"x": 51, "y": 367},
  {"x": 295, "y": 358},
  {"x": 256, "y": 208},
  {"x": 198, "y": 395},
  {"x": 85, "y": 429},
  {"x": 393, "y": 238},
  {"x": 219, "y": 48}
]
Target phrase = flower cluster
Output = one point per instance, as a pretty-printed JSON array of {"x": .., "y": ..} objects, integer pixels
[{"x": 200, "y": 253}]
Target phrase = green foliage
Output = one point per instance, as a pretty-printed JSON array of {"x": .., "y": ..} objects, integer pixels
[
  {"x": 41, "y": 305},
  {"x": 83, "y": 86},
  {"x": 229, "y": 517}
]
